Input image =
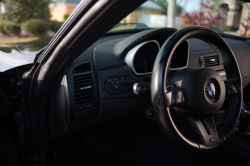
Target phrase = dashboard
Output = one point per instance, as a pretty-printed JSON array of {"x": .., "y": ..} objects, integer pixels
[{"x": 98, "y": 85}]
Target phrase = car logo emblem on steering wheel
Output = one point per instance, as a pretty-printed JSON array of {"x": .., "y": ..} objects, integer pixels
[{"x": 210, "y": 88}]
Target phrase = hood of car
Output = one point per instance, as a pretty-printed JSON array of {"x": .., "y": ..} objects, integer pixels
[{"x": 13, "y": 55}]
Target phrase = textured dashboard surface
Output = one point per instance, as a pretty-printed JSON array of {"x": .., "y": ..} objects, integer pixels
[
  {"x": 88, "y": 54},
  {"x": 108, "y": 57},
  {"x": 112, "y": 53},
  {"x": 102, "y": 76},
  {"x": 109, "y": 51},
  {"x": 240, "y": 48}
]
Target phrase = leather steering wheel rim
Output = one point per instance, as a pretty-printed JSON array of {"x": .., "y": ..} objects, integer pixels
[{"x": 159, "y": 83}]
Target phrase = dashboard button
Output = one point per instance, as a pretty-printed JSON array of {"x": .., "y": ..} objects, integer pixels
[
  {"x": 126, "y": 81},
  {"x": 141, "y": 88},
  {"x": 119, "y": 85},
  {"x": 112, "y": 86}
]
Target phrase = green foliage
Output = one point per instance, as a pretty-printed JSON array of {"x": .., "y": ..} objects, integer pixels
[
  {"x": 23, "y": 10},
  {"x": 36, "y": 27},
  {"x": 123, "y": 27},
  {"x": 178, "y": 9},
  {"x": 229, "y": 28},
  {"x": 55, "y": 26},
  {"x": 10, "y": 29},
  {"x": 66, "y": 16},
  {"x": 1, "y": 27},
  {"x": 216, "y": 5},
  {"x": 34, "y": 45},
  {"x": 164, "y": 5}
]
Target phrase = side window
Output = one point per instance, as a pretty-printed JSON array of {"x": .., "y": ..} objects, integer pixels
[{"x": 32, "y": 29}]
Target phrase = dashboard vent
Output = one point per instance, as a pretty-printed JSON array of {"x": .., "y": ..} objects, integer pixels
[
  {"x": 84, "y": 91},
  {"x": 82, "y": 68},
  {"x": 209, "y": 61}
]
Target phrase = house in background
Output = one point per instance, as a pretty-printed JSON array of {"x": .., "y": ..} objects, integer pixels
[
  {"x": 148, "y": 13},
  {"x": 60, "y": 8},
  {"x": 152, "y": 15},
  {"x": 235, "y": 13},
  {"x": 230, "y": 12},
  {"x": 146, "y": 9}
]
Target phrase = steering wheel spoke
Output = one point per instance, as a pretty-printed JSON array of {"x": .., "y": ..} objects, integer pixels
[
  {"x": 207, "y": 130},
  {"x": 232, "y": 89},
  {"x": 174, "y": 95},
  {"x": 203, "y": 88}
]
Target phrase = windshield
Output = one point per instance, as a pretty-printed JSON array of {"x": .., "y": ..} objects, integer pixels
[
  {"x": 232, "y": 17},
  {"x": 31, "y": 30}
]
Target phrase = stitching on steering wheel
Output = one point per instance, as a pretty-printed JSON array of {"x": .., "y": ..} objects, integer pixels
[
  {"x": 215, "y": 48},
  {"x": 231, "y": 103}
]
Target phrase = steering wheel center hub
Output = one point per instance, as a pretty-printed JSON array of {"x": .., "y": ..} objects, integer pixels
[{"x": 203, "y": 88}]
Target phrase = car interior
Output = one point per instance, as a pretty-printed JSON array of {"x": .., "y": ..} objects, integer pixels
[{"x": 148, "y": 96}]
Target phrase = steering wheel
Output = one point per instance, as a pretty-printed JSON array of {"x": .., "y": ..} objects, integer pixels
[{"x": 197, "y": 93}]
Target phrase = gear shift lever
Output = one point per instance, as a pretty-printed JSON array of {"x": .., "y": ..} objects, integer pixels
[{"x": 244, "y": 121}]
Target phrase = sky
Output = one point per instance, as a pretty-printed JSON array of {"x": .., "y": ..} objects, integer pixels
[{"x": 191, "y": 5}]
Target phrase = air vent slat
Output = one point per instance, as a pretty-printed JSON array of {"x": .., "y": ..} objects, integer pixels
[
  {"x": 81, "y": 77},
  {"x": 210, "y": 61},
  {"x": 81, "y": 92},
  {"x": 86, "y": 95},
  {"x": 86, "y": 67},
  {"x": 81, "y": 81},
  {"x": 207, "y": 63},
  {"x": 77, "y": 88},
  {"x": 82, "y": 102},
  {"x": 81, "y": 98},
  {"x": 209, "y": 57},
  {"x": 80, "y": 86}
]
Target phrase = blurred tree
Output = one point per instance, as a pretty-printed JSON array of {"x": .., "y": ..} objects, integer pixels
[
  {"x": 66, "y": 16},
  {"x": 164, "y": 5},
  {"x": 245, "y": 23},
  {"x": 216, "y": 5},
  {"x": 23, "y": 10},
  {"x": 204, "y": 17}
]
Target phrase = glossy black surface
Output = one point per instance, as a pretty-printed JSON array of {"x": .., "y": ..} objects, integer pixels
[{"x": 10, "y": 57}]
